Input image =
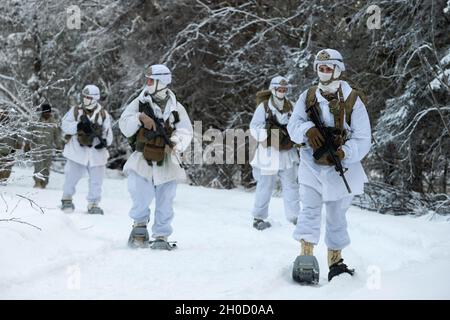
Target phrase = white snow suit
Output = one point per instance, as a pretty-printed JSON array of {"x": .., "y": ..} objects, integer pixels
[
  {"x": 82, "y": 158},
  {"x": 146, "y": 182},
  {"x": 321, "y": 184},
  {"x": 269, "y": 162}
]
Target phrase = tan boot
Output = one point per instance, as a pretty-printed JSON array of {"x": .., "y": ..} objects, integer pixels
[
  {"x": 38, "y": 184},
  {"x": 307, "y": 248},
  {"x": 334, "y": 256}
]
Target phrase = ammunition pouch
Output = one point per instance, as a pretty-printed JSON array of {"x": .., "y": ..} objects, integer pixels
[
  {"x": 87, "y": 139},
  {"x": 151, "y": 144},
  {"x": 284, "y": 141},
  {"x": 336, "y": 138}
]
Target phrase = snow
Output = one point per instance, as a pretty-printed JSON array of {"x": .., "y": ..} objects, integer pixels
[
  {"x": 442, "y": 76},
  {"x": 220, "y": 256},
  {"x": 436, "y": 83}
]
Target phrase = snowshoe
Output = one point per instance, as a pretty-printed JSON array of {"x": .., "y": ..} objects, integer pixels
[
  {"x": 260, "y": 224},
  {"x": 162, "y": 244},
  {"x": 139, "y": 236},
  {"x": 94, "y": 209},
  {"x": 306, "y": 270},
  {"x": 67, "y": 206},
  {"x": 339, "y": 268}
]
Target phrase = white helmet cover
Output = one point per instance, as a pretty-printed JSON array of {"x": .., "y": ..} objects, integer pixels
[
  {"x": 159, "y": 72},
  {"x": 329, "y": 56},
  {"x": 278, "y": 82},
  {"x": 91, "y": 91}
]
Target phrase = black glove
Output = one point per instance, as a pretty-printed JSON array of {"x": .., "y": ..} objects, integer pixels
[
  {"x": 101, "y": 145},
  {"x": 84, "y": 125}
]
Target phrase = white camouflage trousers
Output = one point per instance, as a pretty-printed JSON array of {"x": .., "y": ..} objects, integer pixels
[
  {"x": 142, "y": 193},
  {"x": 264, "y": 188},
  {"x": 74, "y": 172},
  {"x": 309, "y": 220}
]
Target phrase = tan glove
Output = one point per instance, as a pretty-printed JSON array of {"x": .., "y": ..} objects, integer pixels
[
  {"x": 339, "y": 153},
  {"x": 148, "y": 122},
  {"x": 315, "y": 138},
  {"x": 168, "y": 149}
]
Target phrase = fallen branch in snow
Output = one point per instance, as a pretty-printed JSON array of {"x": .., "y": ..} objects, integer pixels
[
  {"x": 20, "y": 221},
  {"x": 33, "y": 205}
]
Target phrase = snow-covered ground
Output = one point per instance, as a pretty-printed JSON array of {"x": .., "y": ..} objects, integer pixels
[{"x": 220, "y": 256}]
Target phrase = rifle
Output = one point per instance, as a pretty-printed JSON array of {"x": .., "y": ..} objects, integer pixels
[
  {"x": 93, "y": 133},
  {"x": 283, "y": 129},
  {"x": 328, "y": 146},
  {"x": 160, "y": 131}
]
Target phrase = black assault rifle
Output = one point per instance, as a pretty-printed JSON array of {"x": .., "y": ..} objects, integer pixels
[
  {"x": 328, "y": 146},
  {"x": 93, "y": 133},
  {"x": 160, "y": 131}
]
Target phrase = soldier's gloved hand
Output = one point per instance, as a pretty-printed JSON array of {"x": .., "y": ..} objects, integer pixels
[
  {"x": 101, "y": 145},
  {"x": 168, "y": 149},
  {"x": 85, "y": 127},
  {"x": 339, "y": 153},
  {"x": 145, "y": 96},
  {"x": 315, "y": 138},
  {"x": 147, "y": 122}
]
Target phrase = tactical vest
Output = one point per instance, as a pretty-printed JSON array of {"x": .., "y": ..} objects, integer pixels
[
  {"x": 340, "y": 109},
  {"x": 151, "y": 143},
  {"x": 348, "y": 104},
  {"x": 284, "y": 142},
  {"x": 83, "y": 138}
]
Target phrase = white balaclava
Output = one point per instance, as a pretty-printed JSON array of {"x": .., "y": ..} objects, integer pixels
[
  {"x": 325, "y": 83},
  {"x": 162, "y": 77},
  {"x": 90, "y": 96},
  {"x": 329, "y": 82},
  {"x": 278, "y": 97},
  {"x": 158, "y": 90},
  {"x": 89, "y": 104}
]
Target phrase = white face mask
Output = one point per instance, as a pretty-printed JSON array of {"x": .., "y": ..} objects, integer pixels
[
  {"x": 157, "y": 85},
  {"x": 324, "y": 77},
  {"x": 151, "y": 89},
  {"x": 89, "y": 103},
  {"x": 280, "y": 95}
]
